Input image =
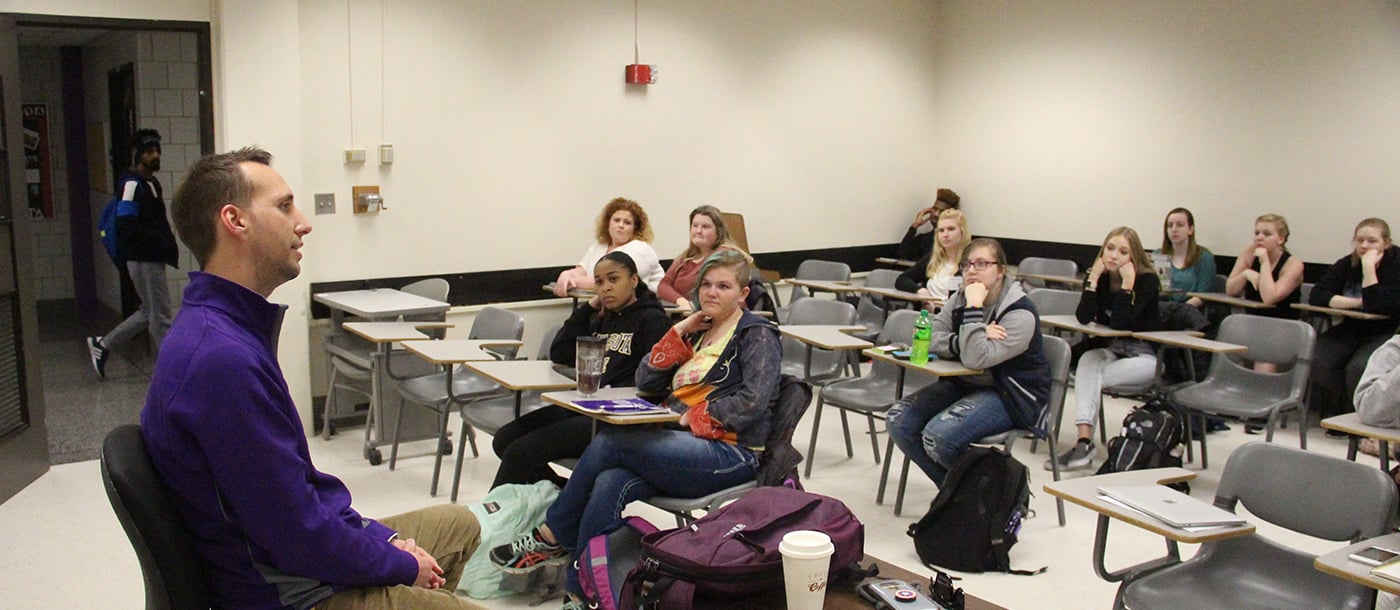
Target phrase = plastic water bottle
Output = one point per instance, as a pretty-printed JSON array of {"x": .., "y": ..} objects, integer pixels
[{"x": 923, "y": 331}]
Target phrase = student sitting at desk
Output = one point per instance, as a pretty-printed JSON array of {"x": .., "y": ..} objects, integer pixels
[
  {"x": 1120, "y": 292},
  {"x": 1193, "y": 266},
  {"x": 623, "y": 225},
  {"x": 722, "y": 367},
  {"x": 707, "y": 234},
  {"x": 1267, "y": 272},
  {"x": 989, "y": 324},
  {"x": 917, "y": 244},
  {"x": 1366, "y": 280},
  {"x": 936, "y": 274},
  {"x": 625, "y": 313},
  {"x": 1378, "y": 392}
]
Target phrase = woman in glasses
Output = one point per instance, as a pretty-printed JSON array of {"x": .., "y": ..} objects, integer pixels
[
  {"x": 1121, "y": 293},
  {"x": 988, "y": 324}
]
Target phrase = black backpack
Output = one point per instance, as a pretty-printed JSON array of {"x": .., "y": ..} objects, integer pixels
[
  {"x": 972, "y": 523},
  {"x": 1152, "y": 437}
]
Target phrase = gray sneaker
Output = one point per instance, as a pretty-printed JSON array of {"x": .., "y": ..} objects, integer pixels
[{"x": 1078, "y": 457}]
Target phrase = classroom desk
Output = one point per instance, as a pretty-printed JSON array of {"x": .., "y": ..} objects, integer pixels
[
  {"x": 825, "y": 336},
  {"x": 894, "y": 262},
  {"x": 890, "y": 294},
  {"x": 383, "y": 335},
  {"x": 1071, "y": 323},
  {"x": 448, "y": 353},
  {"x": 1324, "y": 315},
  {"x": 1189, "y": 340},
  {"x": 812, "y": 286},
  {"x": 566, "y": 400},
  {"x": 1338, "y": 563},
  {"x": 372, "y": 304},
  {"x": 843, "y": 595},
  {"x": 1237, "y": 304},
  {"x": 577, "y": 294},
  {"x": 1350, "y": 423},
  {"x": 938, "y": 367},
  {"x": 1084, "y": 491},
  {"x": 1068, "y": 280}
]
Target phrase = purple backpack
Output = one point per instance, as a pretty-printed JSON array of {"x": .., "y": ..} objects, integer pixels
[
  {"x": 733, "y": 551},
  {"x": 603, "y": 565}
]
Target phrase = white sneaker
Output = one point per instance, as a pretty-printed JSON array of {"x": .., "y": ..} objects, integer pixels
[{"x": 1078, "y": 457}]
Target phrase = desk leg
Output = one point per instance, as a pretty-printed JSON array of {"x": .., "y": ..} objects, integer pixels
[
  {"x": 374, "y": 417},
  {"x": 889, "y": 444},
  {"x": 807, "y": 364},
  {"x": 1385, "y": 456},
  {"x": 1172, "y": 557}
]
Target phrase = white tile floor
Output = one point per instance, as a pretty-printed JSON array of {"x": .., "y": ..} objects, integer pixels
[{"x": 66, "y": 550}]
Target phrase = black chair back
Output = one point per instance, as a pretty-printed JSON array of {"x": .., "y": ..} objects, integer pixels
[{"x": 170, "y": 565}]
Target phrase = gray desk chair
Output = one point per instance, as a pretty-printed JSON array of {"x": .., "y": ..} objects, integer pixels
[
  {"x": 871, "y": 394},
  {"x": 813, "y": 269},
  {"x": 1056, "y": 302},
  {"x": 351, "y": 355},
  {"x": 491, "y": 414},
  {"x": 1293, "y": 489},
  {"x": 827, "y": 365},
  {"x": 871, "y": 309},
  {"x": 778, "y": 462},
  {"x": 1058, "y": 356},
  {"x": 431, "y": 391},
  {"x": 1232, "y": 389},
  {"x": 1045, "y": 266},
  {"x": 170, "y": 565}
]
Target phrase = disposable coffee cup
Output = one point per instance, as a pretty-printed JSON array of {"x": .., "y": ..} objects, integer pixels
[
  {"x": 806, "y": 565},
  {"x": 588, "y": 361}
]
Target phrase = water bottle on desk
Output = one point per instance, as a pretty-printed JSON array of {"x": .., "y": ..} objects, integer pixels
[{"x": 923, "y": 331}]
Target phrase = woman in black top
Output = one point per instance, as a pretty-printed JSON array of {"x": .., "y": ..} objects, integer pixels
[
  {"x": 1266, "y": 272},
  {"x": 629, "y": 316},
  {"x": 1366, "y": 280}
]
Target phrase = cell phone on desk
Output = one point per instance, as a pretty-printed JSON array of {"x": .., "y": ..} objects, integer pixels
[
  {"x": 1374, "y": 555},
  {"x": 896, "y": 595}
]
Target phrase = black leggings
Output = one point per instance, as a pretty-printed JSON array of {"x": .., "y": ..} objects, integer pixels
[
  {"x": 1338, "y": 362},
  {"x": 527, "y": 445}
]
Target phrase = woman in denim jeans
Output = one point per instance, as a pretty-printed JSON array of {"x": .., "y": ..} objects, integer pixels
[
  {"x": 988, "y": 324},
  {"x": 721, "y": 367}
]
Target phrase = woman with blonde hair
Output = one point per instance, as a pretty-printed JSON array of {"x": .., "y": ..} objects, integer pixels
[
  {"x": 1120, "y": 292},
  {"x": 708, "y": 233},
  {"x": 1267, "y": 272},
  {"x": 623, "y": 226},
  {"x": 936, "y": 274}
]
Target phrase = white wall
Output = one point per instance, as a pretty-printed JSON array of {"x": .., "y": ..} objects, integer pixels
[
  {"x": 1061, "y": 119},
  {"x": 513, "y": 126}
]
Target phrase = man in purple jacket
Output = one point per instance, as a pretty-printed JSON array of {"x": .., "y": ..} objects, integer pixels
[{"x": 223, "y": 431}]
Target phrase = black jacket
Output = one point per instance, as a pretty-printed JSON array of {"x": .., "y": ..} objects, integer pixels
[
  {"x": 145, "y": 235},
  {"x": 630, "y": 334},
  {"x": 1382, "y": 298}
]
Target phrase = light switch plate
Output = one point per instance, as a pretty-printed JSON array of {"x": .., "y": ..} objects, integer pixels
[{"x": 325, "y": 203}]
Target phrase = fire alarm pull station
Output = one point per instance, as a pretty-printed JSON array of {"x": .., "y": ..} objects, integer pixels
[{"x": 641, "y": 74}]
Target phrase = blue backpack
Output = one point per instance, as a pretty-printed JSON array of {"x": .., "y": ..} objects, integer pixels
[{"x": 107, "y": 227}]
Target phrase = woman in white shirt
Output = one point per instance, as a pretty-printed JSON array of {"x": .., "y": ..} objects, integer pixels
[
  {"x": 936, "y": 274},
  {"x": 623, "y": 225}
]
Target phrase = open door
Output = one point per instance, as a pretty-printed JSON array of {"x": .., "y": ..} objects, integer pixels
[{"x": 24, "y": 445}]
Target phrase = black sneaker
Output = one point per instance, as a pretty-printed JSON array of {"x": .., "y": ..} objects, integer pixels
[
  {"x": 527, "y": 553},
  {"x": 1078, "y": 457},
  {"x": 99, "y": 355}
]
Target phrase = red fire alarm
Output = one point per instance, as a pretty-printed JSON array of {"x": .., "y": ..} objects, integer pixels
[{"x": 641, "y": 74}]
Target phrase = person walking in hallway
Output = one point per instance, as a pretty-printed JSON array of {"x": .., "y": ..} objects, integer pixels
[{"x": 145, "y": 246}]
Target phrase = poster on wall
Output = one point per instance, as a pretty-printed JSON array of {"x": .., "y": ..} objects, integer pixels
[{"x": 38, "y": 176}]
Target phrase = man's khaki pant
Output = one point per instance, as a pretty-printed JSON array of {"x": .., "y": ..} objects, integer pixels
[{"x": 449, "y": 533}]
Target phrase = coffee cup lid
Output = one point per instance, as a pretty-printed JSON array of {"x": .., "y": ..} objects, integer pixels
[{"x": 806, "y": 544}]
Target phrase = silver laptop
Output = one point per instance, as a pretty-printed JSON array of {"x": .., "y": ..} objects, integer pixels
[{"x": 1171, "y": 506}]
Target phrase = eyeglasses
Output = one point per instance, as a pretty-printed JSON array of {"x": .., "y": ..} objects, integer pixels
[{"x": 978, "y": 265}]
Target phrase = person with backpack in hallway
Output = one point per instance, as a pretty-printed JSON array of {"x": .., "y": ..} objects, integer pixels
[
  {"x": 988, "y": 324},
  {"x": 145, "y": 245}
]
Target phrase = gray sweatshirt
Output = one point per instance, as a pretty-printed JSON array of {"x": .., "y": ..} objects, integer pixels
[{"x": 1378, "y": 395}]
